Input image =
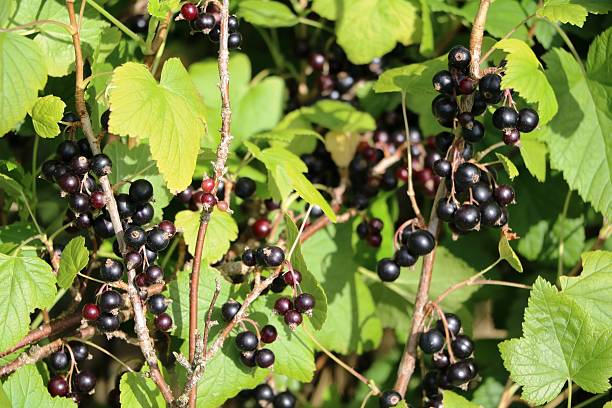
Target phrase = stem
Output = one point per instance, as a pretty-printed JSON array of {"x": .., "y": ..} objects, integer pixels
[
  {"x": 588, "y": 402},
  {"x": 568, "y": 198},
  {"x": 476, "y": 37},
  {"x": 316, "y": 24},
  {"x": 366, "y": 399},
  {"x": 103, "y": 350},
  {"x": 488, "y": 150},
  {"x": 505, "y": 37},
  {"x": 117, "y": 23},
  {"x": 34, "y": 167},
  {"x": 569, "y": 395},
  {"x": 36, "y": 23},
  {"x": 410, "y": 192},
  {"x": 570, "y": 45},
  {"x": 39, "y": 318},
  {"x": 27, "y": 205}
]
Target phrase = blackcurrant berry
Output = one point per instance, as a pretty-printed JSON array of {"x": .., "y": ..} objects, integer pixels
[
  {"x": 244, "y": 188},
  {"x": 249, "y": 258},
  {"x": 261, "y": 228},
  {"x": 474, "y": 134},
  {"x": 103, "y": 227},
  {"x": 459, "y": 373},
  {"x": 293, "y": 318},
  {"x": 69, "y": 183},
  {"x": 443, "y": 141},
  {"x": 204, "y": 21},
  {"x": 101, "y": 165},
  {"x": 110, "y": 300},
  {"x": 453, "y": 322},
  {"x": 511, "y": 136},
  {"x": 97, "y": 200},
  {"x": 157, "y": 240},
  {"x": 480, "y": 105},
  {"x": 78, "y": 202},
  {"x": 229, "y": 310},
  {"x": 389, "y": 399},
  {"x": 467, "y": 174},
  {"x": 421, "y": 242},
  {"x": 135, "y": 237},
  {"x": 459, "y": 57},
  {"x": 141, "y": 191},
  {"x": 104, "y": 119},
  {"x": 234, "y": 40},
  {"x": 58, "y": 387},
  {"x": 111, "y": 270},
  {"x": 466, "y": 119},
  {"x": 304, "y": 303},
  {"x": 466, "y": 86},
  {"x": 527, "y": 120},
  {"x": 90, "y": 311},
  {"x": 268, "y": 334},
  {"x": 490, "y": 88},
  {"x": 59, "y": 361},
  {"x": 248, "y": 358},
  {"x": 387, "y": 270},
  {"x": 431, "y": 341},
  {"x": 154, "y": 274},
  {"x": 133, "y": 260},
  {"x": 462, "y": 346},
  {"x": 263, "y": 393},
  {"x": 208, "y": 185},
  {"x": 67, "y": 150},
  {"x": 430, "y": 383},
  {"x": 505, "y": 118},
  {"x": 189, "y": 11},
  {"x": 80, "y": 351},
  {"x": 472, "y": 366},
  {"x": 278, "y": 285},
  {"x": 247, "y": 341},
  {"x": 443, "y": 82},
  {"x": 163, "y": 322},
  {"x": 143, "y": 214},
  {"x": 85, "y": 381},
  {"x": 79, "y": 165},
  {"x": 282, "y": 305},
  {"x": 140, "y": 280},
  {"x": 284, "y": 399},
  {"x": 374, "y": 239},
  {"x": 264, "y": 358},
  {"x": 150, "y": 256},
  {"x": 157, "y": 304},
  {"x": 215, "y": 34},
  {"x": 233, "y": 23},
  {"x": 316, "y": 61},
  {"x": 490, "y": 213},
  {"x": 440, "y": 360},
  {"x": 444, "y": 107},
  {"x": 125, "y": 205},
  {"x": 445, "y": 210},
  {"x": 403, "y": 257},
  {"x": 481, "y": 192},
  {"x": 504, "y": 194},
  {"x": 48, "y": 169},
  {"x": 376, "y": 224},
  {"x": 466, "y": 217},
  {"x": 273, "y": 256},
  {"x": 108, "y": 322},
  {"x": 168, "y": 227},
  {"x": 60, "y": 170},
  {"x": 84, "y": 220}
]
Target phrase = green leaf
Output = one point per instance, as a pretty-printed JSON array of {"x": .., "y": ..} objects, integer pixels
[
  {"x": 10, "y": 186},
  {"x": 159, "y": 8},
  {"x": 541, "y": 243},
  {"x": 457, "y": 401},
  {"x": 266, "y": 13},
  {"x": 578, "y": 136},
  {"x": 534, "y": 152},
  {"x": 74, "y": 258},
  {"x": 135, "y": 163},
  {"x": 382, "y": 24},
  {"x": 507, "y": 253},
  {"x": 560, "y": 344},
  {"x": 222, "y": 230},
  {"x": 523, "y": 74},
  {"x": 22, "y": 74},
  {"x": 7, "y": 8},
  {"x": 503, "y": 16},
  {"x": 592, "y": 290},
  {"x": 571, "y": 11},
  {"x": 28, "y": 284},
  {"x": 12, "y": 235},
  {"x": 170, "y": 115},
  {"x": 47, "y": 111},
  {"x": 309, "y": 282},
  {"x": 351, "y": 310},
  {"x": 508, "y": 166},
  {"x": 409, "y": 78},
  {"x": 339, "y": 116},
  {"x": 4, "y": 401},
  {"x": 25, "y": 388},
  {"x": 326, "y": 8},
  {"x": 139, "y": 391},
  {"x": 489, "y": 392},
  {"x": 427, "y": 37}
]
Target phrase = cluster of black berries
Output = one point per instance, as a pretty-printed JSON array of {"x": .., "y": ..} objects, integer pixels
[
  {"x": 265, "y": 397},
  {"x": 447, "y": 371},
  {"x": 292, "y": 308},
  {"x": 63, "y": 364},
  {"x": 370, "y": 231},
  {"x": 207, "y": 21},
  {"x": 512, "y": 123},
  {"x": 414, "y": 242},
  {"x": 203, "y": 197}
]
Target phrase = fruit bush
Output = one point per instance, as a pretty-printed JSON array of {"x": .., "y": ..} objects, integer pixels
[{"x": 326, "y": 203}]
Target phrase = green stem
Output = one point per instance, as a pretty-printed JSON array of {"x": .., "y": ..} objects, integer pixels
[
  {"x": 569, "y": 394},
  {"x": 316, "y": 24},
  {"x": 568, "y": 198},
  {"x": 570, "y": 45},
  {"x": 169, "y": 253},
  {"x": 25, "y": 202},
  {"x": 588, "y": 402},
  {"x": 118, "y": 24},
  {"x": 91, "y": 279},
  {"x": 34, "y": 167}
]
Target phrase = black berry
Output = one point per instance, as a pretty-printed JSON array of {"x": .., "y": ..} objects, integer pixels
[
  {"x": 141, "y": 191},
  {"x": 111, "y": 270},
  {"x": 101, "y": 165},
  {"x": 504, "y": 194},
  {"x": 445, "y": 210},
  {"x": 284, "y": 399},
  {"x": 304, "y": 303},
  {"x": 443, "y": 82},
  {"x": 264, "y": 358},
  {"x": 157, "y": 240},
  {"x": 462, "y": 346},
  {"x": 389, "y": 399},
  {"x": 431, "y": 341},
  {"x": 263, "y": 393},
  {"x": 143, "y": 214},
  {"x": 245, "y": 187},
  {"x": 249, "y": 258},
  {"x": 453, "y": 322},
  {"x": 204, "y": 21},
  {"x": 474, "y": 134},
  {"x": 135, "y": 237},
  {"x": 527, "y": 120},
  {"x": 268, "y": 334},
  {"x": 157, "y": 304},
  {"x": 459, "y": 57},
  {"x": 388, "y": 270},
  {"x": 234, "y": 40},
  {"x": 85, "y": 381},
  {"x": 163, "y": 322},
  {"x": 125, "y": 205},
  {"x": 403, "y": 257},
  {"x": 459, "y": 373},
  {"x": 490, "y": 88},
  {"x": 67, "y": 150},
  {"x": 466, "y": 217},
  {"x": 229, "y": 310},
  {"x": 282, "y": 305},
  {"x": 293, "y": 318},
  {"x": 108, "y": 322},
  {"x": 273, "y": 256},
  {"x": 110, "y": 300},
  {"x": 58, "y": 387},
  {"x": 421, "y": 242},
  {"x": 80, "y": 351},
  {"x": 59, "y": 361},
  {"x": 247, "y": 341},
  {"x": 505, "y": 118}
]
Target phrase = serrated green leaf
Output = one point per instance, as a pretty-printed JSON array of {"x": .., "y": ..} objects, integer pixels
[
  {"x": 74, "y": 258},
  {"x": 159, "y": 8},
  {"x": 506, "y": 252},
  {"x": 169, "y": 114},
  {"x": 25, "y": 388},
  {"x": 571, "y": 11},
  {"x": 409, "y": 78},
  {"x": 457, "y": 401},
  {"x": 266, "y": 13},
  {"x": 503, "y": 16},
  {"x": 592, "y": 290},
  {"x": 22, "y": 74},
  {"x": 339, "y": 116},
  {"x": 28, "y": 284},
  {"x": 489, "y": 392},
  {"x": 222, "y": 230},
  {"x": 7, "y": 8},
  {"x": 46, "y": 112},
  {"x": 10, "y": 186},
  {"x": 559, "y": 344},
  {"x": 508, "y": 166},
  {"x": 325, "y": 8},
  {"x": 12, "y": 235},
  {"x": 578, "y": 136},
  {"x": 534, "y": 152},
  {"x": 137, "y": 391},
  {"x": 383, "y": 23},
  {"x": 523, "y": 74}
]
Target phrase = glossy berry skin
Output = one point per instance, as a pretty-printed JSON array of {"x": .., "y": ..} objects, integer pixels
[
  {"x": 150, "y": 256},
  {"x": 442, "y": 168},
  {"x": 133, "y": 260},
  {"x": 304, "y": 303},
  {"x": 467, "y": 174},
  {"x": 273, "y": 256},
  {"x": 505, "y": 118},
  {"x": 215, "y": 34},
  {"x": 249, "y": 258},
  {"x": 247, "y": 341},
  {"x": 374, "y": 240},
  {"x": 79, "y": 165},
  {"x": 479, "y": 106},
  {"x": 362, "y": 229},
  {"x": 261, "y": 228},
  {"x": 264, "y": 358},
  {"x": 293, "y": 318},
  {"x": 316, "y": 61},
  {"x": 110, "y": 300},
  {"x": 103, "y": 227},
  {"x": 48, "y": 169},
  {"x": 490, "y": 88},
  {"x": 157, "y": 304},
  {"x": 278, "y": 285},
  {"x": 84, "y": 220},
  {"x": 143, "y": 214},
  {"x": 466, "y": 86},
  {"x": 208, "y": 185},
  {"x": 233, "y": 23},
  {"x": 157, "y": 240},
  {"x": 421, "y": 242},
  {"x": 101, "y": 165},
  {"x": 97, "y": 200},
  {"x": 67, "y": 150},
  {"x": 263, "y": 393},
  {"x": 229, "y": 310},
  {"x": 282, "y": 305},
  {"x": 163, "y": 322},
  {"x": 387, "y": 270},
  {"x": 141, "y": 191},
  {"x": 168, "y": 227},
  {"x": 108, "y": 322},
  {"x": 511, "y": 137},
  {"x": 189, "y": 11},
  {"x": 459, "y": 373},
  {"x": 79, "y": 350},
  {"x": 445, "y": 210},
  {"x": 125, "y": 205},
  {"x": 504, "y": 194},
  {"x": 431, "y": 341},
  {"x": 268, "y": 334},
  {"x": 475, "y": 134},
  {"x": 453, "y": 322},
  {"x": 154, "y": 274},
  {"x": 104, "y": 119},
  {"x": 284, "y": 399},
  {"x": 404, "y": 258},
  {"x": 389, "y": 399},
  {"x": 204, "y": 21},
  {"x": 459, "y": 57},
  {"x": 90, "y": 311},
  {"x": 440, "y": 360},
  {"x": 135, "y": 237},
  {"x": 111, "y": 270},
  {"x": 443, "y": 141},
  {"x": 69, "y": 183},
  {"x": 443, "y": 82},
  {"x": 59, "y": 361},
  {"x": 208, "y": 199},
  {"x": 244, "y": 188},
  {"x": 528, "y": 120},
  {"x": 466, "y": 217},
  {"x": 234, "y": 40},
  {"x": 444, "y": 107},
  {"x": 490, "y": 213},
  {"x": 78, "y": 202},
  {"x": 85, "y": 381},
  {"x": 58, "y": 387},
  {"x": 481, "y": 192},
  {"x": 462, "y": 346}
]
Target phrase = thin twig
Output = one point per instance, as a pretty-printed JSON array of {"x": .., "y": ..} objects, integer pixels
[
  {"x": 506, "y": 36},
  {"x": 476, "y": 37},
  {"x": 160, "y": 38},
  {"x": 410, "y": 192}
]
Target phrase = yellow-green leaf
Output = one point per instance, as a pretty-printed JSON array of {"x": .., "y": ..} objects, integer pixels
[
  {"x": 74, "y": 258},
  {"x": 571, "y": 11},
  {"x": 506, "y": 252},
  {"x": 47, "y": 111},
  {"x": 508, "y": 166}
]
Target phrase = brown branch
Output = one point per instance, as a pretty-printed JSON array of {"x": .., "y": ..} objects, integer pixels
[
  {"x": 476, "y": 37},
  {"x": 140, "y": 322}
]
